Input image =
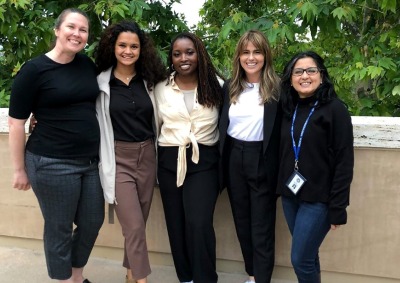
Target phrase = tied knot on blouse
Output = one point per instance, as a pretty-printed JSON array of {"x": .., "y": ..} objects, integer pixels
[{"x": 181, "y": 128}]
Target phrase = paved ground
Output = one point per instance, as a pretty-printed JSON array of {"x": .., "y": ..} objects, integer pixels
[{"x": 28, "y": 266}]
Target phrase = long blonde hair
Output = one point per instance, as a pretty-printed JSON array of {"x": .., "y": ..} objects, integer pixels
[{"x": 269, "y": 80}]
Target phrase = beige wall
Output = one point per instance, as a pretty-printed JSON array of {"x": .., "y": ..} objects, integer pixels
[{"x": 367, "y": 249}]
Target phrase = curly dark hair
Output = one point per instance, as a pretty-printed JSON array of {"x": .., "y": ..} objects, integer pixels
[
  {"x": 209, "y": 91},
  {"x": 149, "y": 64},
  {"x": 289, "y": 96}
]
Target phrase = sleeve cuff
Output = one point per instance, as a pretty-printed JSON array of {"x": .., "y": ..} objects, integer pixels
[{"x": 337, "y": 216}]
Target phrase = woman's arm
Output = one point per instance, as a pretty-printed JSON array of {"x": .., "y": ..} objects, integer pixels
[
  {"x": 17, "y": 149},
  {"x": 343, "y": 151}
]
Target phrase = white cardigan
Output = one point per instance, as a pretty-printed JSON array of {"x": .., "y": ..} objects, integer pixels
[{"x": 107, "y": 152}]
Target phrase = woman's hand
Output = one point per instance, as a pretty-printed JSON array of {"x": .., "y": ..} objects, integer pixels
[
  {"x": 32, "y": 123},
  {"x": 21, "y": 181},
  {"x": 17, "y": 150}
]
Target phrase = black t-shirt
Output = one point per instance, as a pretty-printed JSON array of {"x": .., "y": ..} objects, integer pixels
[{"x": 62, "y": 97}]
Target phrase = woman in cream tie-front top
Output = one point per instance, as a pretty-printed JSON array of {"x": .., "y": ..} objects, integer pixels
[
  {"x": 184, "y": 129},
  {"x": 188, "y": 103}
]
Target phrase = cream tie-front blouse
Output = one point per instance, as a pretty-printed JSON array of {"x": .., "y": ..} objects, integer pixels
[{"x": 181, "y": 128}]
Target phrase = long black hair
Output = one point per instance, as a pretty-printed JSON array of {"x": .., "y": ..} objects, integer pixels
[
  {"x": 289, "y": 96},
  {"x": 209, "y": 90}
]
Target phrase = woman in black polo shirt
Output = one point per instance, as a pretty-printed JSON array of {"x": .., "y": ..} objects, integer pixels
[{"x": 130, "y": 67}]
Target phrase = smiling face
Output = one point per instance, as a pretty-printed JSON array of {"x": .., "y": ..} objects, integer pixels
[
  {"x": 72, "y": 34},
  {"x": 127, "y": 48},
  {"x": 252, "y": 61},
  {"x": 184, "y": 57},
  {"x": 306, "y": 84}
]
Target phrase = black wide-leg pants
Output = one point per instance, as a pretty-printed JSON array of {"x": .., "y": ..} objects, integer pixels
[
  {"x": 189, "y": 212},
  {"x": 253, "y": 204}
]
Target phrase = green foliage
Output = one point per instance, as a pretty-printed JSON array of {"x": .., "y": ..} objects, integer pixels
[
  {"x": 359, "y": 39},
  {"x": 26, "y": 28}
]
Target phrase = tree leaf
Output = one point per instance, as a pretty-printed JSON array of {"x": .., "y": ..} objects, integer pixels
[
  {"x": 374, "y": 71},
  {"x": 226, "y": 29},
  {"x": 387, "y": 63},
  {"x": 388, "y": 5},
  {"x": 396, "y": 90}
]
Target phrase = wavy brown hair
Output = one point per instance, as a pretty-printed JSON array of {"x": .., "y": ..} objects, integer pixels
[
  {"x": 269, "y": 81},
  {"x": 149, "y": 64},
  {"x": 209, "y": 91}
]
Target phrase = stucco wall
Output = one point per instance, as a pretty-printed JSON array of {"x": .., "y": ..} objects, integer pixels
[{"x": 364, "y": 250}]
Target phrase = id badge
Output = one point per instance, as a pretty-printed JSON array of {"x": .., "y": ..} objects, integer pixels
[{"x": 295, "y": 182}]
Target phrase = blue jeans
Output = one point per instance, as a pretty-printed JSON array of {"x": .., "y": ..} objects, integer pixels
[
  {"x": 69, "y": 192},
  {"x": 309, "y": 224}
]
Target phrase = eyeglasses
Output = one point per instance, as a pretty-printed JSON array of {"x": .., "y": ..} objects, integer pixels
[{"x": 310, "y": 71}]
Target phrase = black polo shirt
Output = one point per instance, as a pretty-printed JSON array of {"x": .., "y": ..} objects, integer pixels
[{"x": 131, "y": 110}]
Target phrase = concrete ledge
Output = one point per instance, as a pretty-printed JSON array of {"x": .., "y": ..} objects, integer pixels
[
  {"x": 376, "y": 132},
  {"x": 4, "y": 121}
]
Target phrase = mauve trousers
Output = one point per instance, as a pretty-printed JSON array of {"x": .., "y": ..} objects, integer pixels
[{"x": 134, "y": 186}]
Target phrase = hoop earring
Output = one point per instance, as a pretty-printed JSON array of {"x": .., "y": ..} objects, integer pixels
[{"x": 172, "y": 67}]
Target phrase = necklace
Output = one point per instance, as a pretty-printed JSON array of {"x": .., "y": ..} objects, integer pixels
[{"x": 120, "y": 76}]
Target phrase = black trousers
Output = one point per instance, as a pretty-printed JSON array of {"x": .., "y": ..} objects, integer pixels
[
  {"x": 253, "y": 204},
  {"x": 189, "y": 212}
]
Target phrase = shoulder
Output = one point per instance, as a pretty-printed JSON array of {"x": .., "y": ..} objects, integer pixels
[
  {"x": 35, "y": 62},
  {"x": 104, "y": 76},
  {"x": 337, "y": 110},
  {"x": 227, "y": 83},
  {"x": 338, "y": 106},
  {"x": 83, "y": 59},
  {"x": 162, "y": 85},
  {"x": 103, "y": 80},
  {"x": 163, "y": 91},
  {"x": 226, "y": 86},
  {"x": 33, "y": 66}
]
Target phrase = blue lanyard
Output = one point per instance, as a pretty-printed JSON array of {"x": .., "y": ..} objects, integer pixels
[{"x": 296, "y": 149}]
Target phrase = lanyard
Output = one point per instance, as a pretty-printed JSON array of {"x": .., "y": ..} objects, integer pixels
[{"x": 296, "y": 149}]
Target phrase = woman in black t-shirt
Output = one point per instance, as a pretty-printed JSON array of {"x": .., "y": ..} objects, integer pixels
[{"x": 60, "y": 158}]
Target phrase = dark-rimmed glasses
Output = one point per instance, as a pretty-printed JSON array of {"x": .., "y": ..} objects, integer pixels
[{"x": 310, "y": 71}]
